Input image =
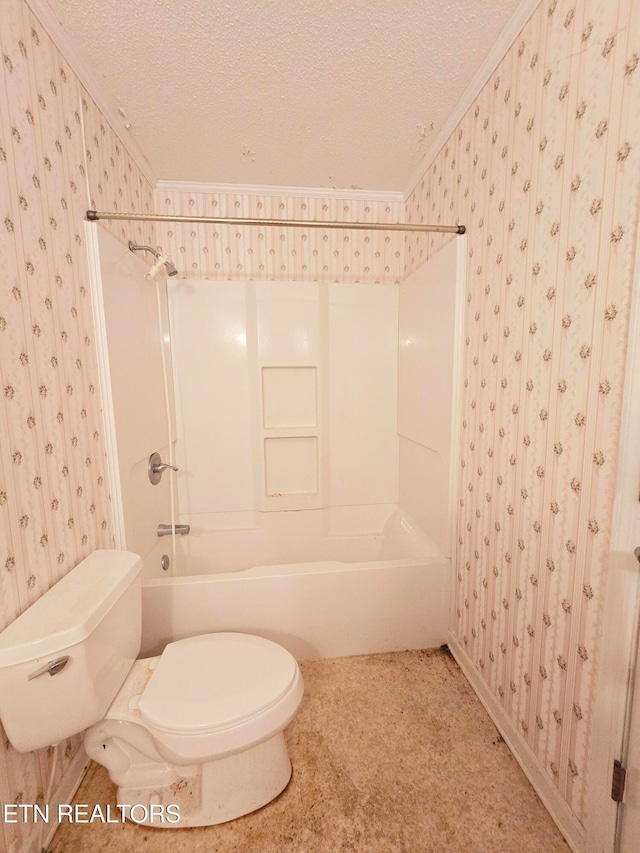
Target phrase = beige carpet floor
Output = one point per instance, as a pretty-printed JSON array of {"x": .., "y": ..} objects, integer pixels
[{"x": 391, "y": 753}]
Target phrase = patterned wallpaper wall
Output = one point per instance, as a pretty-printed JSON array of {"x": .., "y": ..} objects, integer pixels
[
  {"x": 53, "y": 490},
  {"x": 544, "y": 170},
  {"x": 230, "y": 252}
]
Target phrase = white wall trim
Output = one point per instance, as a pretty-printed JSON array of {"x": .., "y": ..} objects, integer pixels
[
  {"x": 507, "y": 37},
  {"x": 47, "y": 17},
  {"x": 626, "y": 509},
  {"x": 104, "y": 382},
  {"x": 294, "y": 192},
  {"x": 554, "y": 802},
  {"x": 457, "y": 398},
  {"x": 462, "y": 251},
  {"x": 617, "y": 689}
]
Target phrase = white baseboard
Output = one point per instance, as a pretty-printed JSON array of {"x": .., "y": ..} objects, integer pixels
[
  {"x": 556, "y": 805},
  {"x": 63, "y": 793}
]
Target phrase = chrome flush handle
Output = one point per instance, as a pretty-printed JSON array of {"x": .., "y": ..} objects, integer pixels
[{"x": 53, "y": 667}]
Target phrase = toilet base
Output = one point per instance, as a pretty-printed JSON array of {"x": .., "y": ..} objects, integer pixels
[{"x": 212, "y": 792}]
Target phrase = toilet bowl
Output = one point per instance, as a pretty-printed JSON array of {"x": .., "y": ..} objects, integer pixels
[{"x": 198, "y": 728}]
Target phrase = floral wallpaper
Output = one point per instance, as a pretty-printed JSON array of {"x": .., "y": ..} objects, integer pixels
[
  {"x": 544, "y": 171},
  {"x": 270, "y": 253},
  {"x": 53, "y": 491}
]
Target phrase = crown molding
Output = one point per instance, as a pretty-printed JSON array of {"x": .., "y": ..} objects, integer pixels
[
  {"x": 48, "y": 19},
  {"x": 264, "y": 190},
  {"x": 507, "y": 37}
]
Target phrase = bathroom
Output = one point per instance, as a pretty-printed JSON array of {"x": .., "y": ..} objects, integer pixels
[{"x": 537, "y": 161}]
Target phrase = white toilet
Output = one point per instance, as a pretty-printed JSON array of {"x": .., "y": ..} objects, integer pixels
[{"x": 199, "y": 727}]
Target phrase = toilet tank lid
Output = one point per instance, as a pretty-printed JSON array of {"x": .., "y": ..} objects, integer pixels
[{"x": 68, "y": 612}]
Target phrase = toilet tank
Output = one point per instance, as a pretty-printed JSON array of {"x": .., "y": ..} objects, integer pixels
[{"x": 92, "y": 616}]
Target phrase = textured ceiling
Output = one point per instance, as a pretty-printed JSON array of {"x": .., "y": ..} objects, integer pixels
[{"x": 311, "y": 93}]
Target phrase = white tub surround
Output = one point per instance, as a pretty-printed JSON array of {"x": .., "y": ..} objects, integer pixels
[
  {"x": 292, "y": 405},
  {"x": 429, "y": 384},
  {"x": 125, "y": 306}
]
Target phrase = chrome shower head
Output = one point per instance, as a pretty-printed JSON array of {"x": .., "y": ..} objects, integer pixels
[{"x": 169, "y": 266}]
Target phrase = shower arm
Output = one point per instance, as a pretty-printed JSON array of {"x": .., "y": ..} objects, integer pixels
[
  {"x": 95, "y": 216},
  {"x": 161, "y": 260}
]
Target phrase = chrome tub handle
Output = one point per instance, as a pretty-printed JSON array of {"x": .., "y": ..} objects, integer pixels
[{"x": 155, "y": 468}]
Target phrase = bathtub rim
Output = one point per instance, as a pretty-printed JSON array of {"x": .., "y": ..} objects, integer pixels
[{"x": 319, "y": 567}]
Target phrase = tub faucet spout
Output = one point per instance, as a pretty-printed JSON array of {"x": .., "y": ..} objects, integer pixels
[{"x": 167, "y": 529}]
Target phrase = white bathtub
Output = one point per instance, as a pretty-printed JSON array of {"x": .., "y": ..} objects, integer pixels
[{"x": 326, "y": 608}]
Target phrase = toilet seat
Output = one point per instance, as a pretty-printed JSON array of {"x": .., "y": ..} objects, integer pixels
[
  {"x": 215, "y": 681},
  {"x": 211, "y": 695}
]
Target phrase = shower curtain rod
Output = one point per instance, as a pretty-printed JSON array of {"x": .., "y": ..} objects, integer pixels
[{"x": 95, "y": 215}]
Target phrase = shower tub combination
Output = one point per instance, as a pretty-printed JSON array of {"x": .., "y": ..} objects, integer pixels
[
  {"x": 370, "y": 593},
  {"x": 300, "y": 436}
]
